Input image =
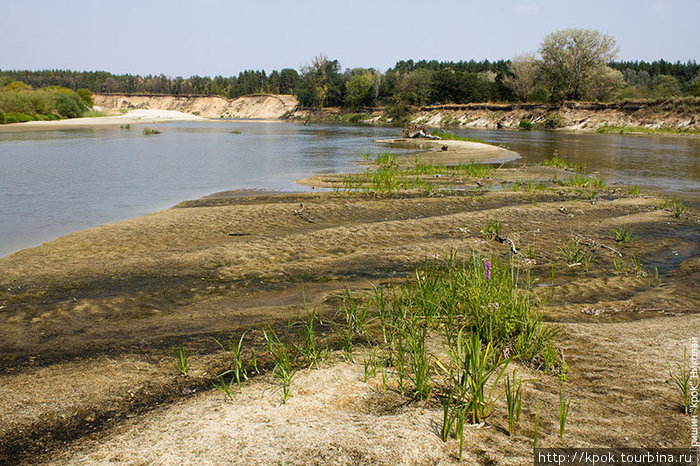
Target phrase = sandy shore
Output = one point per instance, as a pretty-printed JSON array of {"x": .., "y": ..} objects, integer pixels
[
  {"x": 454, "y": 152},
  {"x": 131, "y": 117},
  {"x": 94, "y": 315}
]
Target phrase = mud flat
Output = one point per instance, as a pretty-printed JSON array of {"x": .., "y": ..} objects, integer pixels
[{"x": 88, "y": 322}]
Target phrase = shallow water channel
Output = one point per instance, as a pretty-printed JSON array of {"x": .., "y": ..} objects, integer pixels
[{"x": 56, "y": 182}]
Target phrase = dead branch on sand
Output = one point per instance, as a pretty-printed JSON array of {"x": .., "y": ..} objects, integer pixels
[
  {"x": 299, "y": 213},
  {"x": 593, "y": 243}
]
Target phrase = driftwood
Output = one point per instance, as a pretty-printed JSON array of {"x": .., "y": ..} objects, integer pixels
[
  {"x": 300, "y": 213},
  {"x": 508, "y": 242},
  {"x": 594, "y": 243},
  {"x": 413, "y": 131}
]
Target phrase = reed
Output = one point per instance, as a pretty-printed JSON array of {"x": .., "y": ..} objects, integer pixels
[
  {"x": 223, "y": 386},
  {"x": 284, "y": 370},
  {"x": 680, "y": 376},
  {"x": 236, "y": 348},
  {"x": 309, "y": 349},
  {"x": 514, "y": 394},
  {"x": 181, "y": 358},
  {"x": 564, "y": 406}
]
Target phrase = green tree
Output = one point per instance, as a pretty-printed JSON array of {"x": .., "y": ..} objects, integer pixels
[
  {"x": 573, "y": 58},
  {"x": 664, "y": 86},
  {"x": 415, "y": 88},
  {"x": 86, "y": 96},
  {"x": 606, "y": 86},
  {"x": 289, "y": 79},
  {"x": 524, "y": 71},
  {"x": 321, "y": 84},
  {"x": 696, "y": 87},
  {"x": 359, "y": 90},
  {"x": 16, "y": 86}
]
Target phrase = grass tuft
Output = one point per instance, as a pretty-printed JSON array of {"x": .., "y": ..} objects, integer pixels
[
  {"x": 284, "y": 369},
  {"x": 181, "y": 359},
  {"x": 681, "y": 378},
  {"x": 623, "y": 234},
  {"x": 564, "y": 406}
]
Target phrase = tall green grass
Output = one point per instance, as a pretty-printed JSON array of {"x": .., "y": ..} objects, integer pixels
[
  {"x": 564, "y": 406},
  {"x": 514, "y": 395},
  {"x": 482, "y": 313},
  {"x": 308, "y": 347},
  {"x": 559, "y": 162},
  {"x": 681, "y": 378},
  {"x": 284, "y": 369},
  {"x": 387, "y": 177},
  {"x": 181, "y": 359},
  {"x": 236, "y": 349}
]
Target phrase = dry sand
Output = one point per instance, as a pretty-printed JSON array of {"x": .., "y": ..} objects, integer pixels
[
  {"x": 131, "y": 117},
  {"x": 87, "y": 323}
]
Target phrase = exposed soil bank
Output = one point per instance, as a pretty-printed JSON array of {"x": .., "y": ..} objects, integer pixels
[
  {"x": 678, "y": 115},
  {"x": 683, "y": 114},
  {"x": 87, "y": 323},
  {"x": 253, "y": 106}
]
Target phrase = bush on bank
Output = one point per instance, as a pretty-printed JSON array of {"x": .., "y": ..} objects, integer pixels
[{"x": 19, "y": 103}]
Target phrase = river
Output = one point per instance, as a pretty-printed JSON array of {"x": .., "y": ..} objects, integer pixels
[{"x": 56, "y": 182}]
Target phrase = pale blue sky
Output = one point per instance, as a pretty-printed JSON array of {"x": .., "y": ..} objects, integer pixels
[{"x": 209, "y": 37}]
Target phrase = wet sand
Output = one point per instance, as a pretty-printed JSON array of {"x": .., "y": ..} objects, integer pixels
[{"x": 88, "y": 322}]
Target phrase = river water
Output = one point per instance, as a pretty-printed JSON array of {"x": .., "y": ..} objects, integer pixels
[{"x": 56, "y": 182}]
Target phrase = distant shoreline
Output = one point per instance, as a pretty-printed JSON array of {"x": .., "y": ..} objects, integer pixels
[{"x": 132, "y": 117}]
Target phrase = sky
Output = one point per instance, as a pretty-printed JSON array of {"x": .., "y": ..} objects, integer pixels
[{"x": 219, "y": 37}]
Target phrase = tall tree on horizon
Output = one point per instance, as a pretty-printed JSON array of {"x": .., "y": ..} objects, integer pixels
[{"x": 571, "y": 59}]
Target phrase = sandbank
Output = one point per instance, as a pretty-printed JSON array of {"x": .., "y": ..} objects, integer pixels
[{"x": 132, "y": 117}]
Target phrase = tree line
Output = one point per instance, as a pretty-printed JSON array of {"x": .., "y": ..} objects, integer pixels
[{"x": 571, "y": 64}]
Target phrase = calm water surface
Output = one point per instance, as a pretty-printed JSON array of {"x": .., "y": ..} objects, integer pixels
[{"x": 56, "y": 182}]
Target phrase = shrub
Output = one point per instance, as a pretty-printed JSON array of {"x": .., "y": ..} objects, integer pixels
[
  {"x": 16, "y": 86},
  {"x": 85, "y": 95},
  {"x": 16, "y": 117},
  {"x": 525, "y": 124},
  {"x": 356, "y": 118},
  {"x": 2, "y": 117},
  {"x": 69, "y": 106},
  {"x": 398, "y": 110},
  {"x": 553, "y": 121}
]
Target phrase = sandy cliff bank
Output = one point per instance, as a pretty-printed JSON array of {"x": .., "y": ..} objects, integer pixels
[{"x": 253, "y": 106}]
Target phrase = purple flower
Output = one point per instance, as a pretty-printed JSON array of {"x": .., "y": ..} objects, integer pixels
[{"x": 488, "y": 270}]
